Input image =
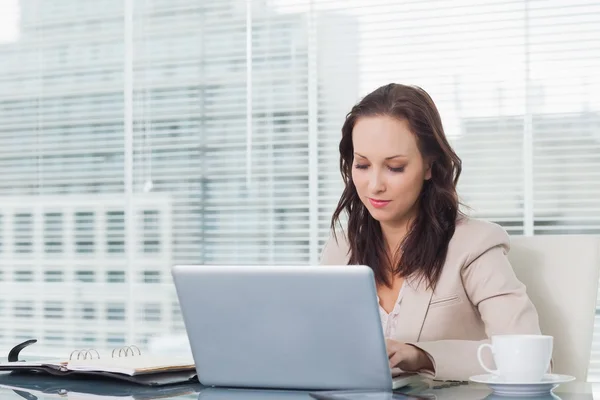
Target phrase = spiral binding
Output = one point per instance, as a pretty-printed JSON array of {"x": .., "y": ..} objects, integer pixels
[
  {"x": 83, "y": 354},
  {"x": 90, "y": 354},
  {"x": 124, "y": 351}
]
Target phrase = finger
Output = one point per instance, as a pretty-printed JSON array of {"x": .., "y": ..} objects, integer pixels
[
  {"x": 390, "y": 351},
  {"x": 388, "y": 347},
  {"x": 391, "y": 346},
  {"x": 396, "y": 359}
]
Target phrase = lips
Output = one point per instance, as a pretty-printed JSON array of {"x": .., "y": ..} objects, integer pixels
[{"x": 379, "y": 203}]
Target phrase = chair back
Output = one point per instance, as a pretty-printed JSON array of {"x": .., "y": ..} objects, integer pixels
[{"x": 561, "y": 276}]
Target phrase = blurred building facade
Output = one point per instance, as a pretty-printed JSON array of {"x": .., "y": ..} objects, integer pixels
[
  {"x": 565, "y": 189},
  {"x": 123, "y": 157}
]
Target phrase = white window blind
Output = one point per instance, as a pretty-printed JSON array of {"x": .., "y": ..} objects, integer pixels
[{"x": 136, "y": 134}]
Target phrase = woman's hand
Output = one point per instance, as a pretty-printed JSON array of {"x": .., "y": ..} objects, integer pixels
[{"x": 407, "y": 357}]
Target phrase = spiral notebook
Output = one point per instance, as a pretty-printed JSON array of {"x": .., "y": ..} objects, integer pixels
[{"x": 125, "y": 363}]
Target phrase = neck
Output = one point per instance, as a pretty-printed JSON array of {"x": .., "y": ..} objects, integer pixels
[
  {"x": 393, "y": 235},
  {"x": 395, "y": 232}
]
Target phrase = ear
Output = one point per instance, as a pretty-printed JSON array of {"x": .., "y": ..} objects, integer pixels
[{"x": 428, "y": 165}]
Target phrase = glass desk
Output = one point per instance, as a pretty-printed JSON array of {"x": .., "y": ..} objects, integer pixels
[{"x": 40, "y": 387}]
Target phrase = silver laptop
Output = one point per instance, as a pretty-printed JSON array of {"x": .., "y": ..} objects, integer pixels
[{"x": 308, "y": 327}]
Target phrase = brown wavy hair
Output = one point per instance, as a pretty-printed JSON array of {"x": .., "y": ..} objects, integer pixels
[{"x": 423, "y": 251}]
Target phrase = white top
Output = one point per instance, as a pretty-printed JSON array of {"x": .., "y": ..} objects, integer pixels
[{"x": 390, "y": 321}]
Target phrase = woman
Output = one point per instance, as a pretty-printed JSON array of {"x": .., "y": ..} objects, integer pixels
[{"x": 443, "y": 280}]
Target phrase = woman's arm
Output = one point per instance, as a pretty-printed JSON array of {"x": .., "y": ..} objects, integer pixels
[{"x": 505, "y": 308}]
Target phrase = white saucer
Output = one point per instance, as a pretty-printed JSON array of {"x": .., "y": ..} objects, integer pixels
[{"x": 524, "y": 389}]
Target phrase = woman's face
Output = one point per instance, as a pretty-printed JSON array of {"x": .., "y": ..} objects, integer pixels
[{"x": 388, "y": 169}]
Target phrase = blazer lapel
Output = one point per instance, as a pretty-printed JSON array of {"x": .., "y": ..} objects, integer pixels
[{"x": 413, "y": 310}]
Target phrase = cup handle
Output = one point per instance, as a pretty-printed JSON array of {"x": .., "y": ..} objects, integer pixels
[{"x": 479, "y": 350}]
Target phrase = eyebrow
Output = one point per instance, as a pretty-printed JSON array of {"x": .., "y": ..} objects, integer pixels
[{"x": 387, "y": 158}]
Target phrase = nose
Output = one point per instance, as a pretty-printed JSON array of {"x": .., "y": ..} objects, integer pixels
[{"x": 376, "y": 181}]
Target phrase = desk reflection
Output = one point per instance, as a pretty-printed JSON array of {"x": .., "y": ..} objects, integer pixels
[
  {"x": 37, "y": 386},
  {"x": 19, "y": 386}
]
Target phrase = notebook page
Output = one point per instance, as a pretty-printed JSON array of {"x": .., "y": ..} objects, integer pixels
[
  {"x": 53, "y": 363},
  {"x": 135, "y": 365}
]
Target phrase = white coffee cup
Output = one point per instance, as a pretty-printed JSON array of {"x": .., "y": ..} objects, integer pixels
[{"x": 519, "y": 358}]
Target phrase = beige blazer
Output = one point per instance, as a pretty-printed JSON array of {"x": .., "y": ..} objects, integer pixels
[{"x": 478, "y": 295}]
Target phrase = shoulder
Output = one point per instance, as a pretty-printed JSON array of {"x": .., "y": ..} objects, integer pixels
[
  {"x": 473, "y": 237},
  {"x": 336, "y": 250}
]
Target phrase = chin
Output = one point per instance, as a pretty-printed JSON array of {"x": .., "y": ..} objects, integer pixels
[{"x": 381, "y": 215}]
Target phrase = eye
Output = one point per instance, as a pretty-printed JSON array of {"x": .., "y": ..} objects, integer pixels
[
  {"x": 361, "y": 166},
  {"x": 396, "y": 169}
]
